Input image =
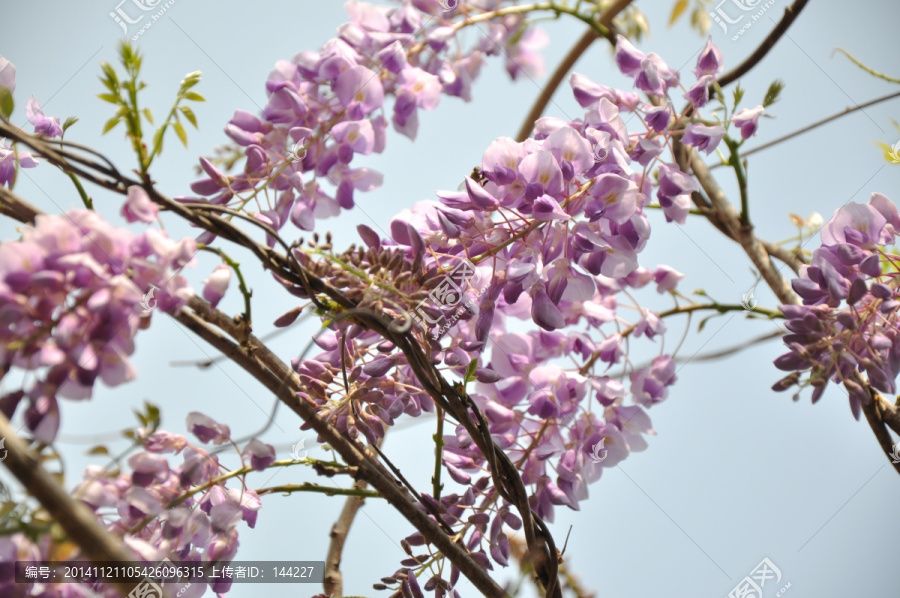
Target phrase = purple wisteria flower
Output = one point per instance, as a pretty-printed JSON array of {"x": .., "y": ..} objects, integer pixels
[
  {"x": 703, "y": 137},
  {"x": 75, "y": 288},
  {"x": 43, "y": 125},
  {"x": 138, "y": 206},
  {"x": 215, "y": 286},
  {"x": 747, "y": 120},
  {"x": 709, "y": 63},
  {"x": 848, "y": 324}
]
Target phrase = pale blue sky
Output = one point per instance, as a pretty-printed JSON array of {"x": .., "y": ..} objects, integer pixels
[{"x": 736, "y": 473}]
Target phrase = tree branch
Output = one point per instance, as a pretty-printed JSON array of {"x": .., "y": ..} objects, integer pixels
[
  {"x": 790, "y": 14},
  {"x": 875, "y": 417},
  {"x": 814, "y": 125},
  {"x": 334, "y": 579},
  {"x": 80, "y": 524},
  {"x": 260, "y": 362},
  {"x": 580, "y": 47},
  {"x": 353, "y": 492}
]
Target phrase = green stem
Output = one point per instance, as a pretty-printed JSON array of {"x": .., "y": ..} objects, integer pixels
[
  {"x": 88, "y": 203},
  {"x": 227, "y": 476},
  {"x": 734, "y": 160},
  {"x": 310, "y": 487},
  {"x": 242, "y": 283}
]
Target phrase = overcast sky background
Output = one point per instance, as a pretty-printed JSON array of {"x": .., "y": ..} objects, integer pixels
[{"x": 736, "y": 474}]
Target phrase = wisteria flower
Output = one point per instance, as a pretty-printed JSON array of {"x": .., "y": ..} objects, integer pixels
[
  {"x": 747, "y": 120},
  {"x": 43, "y": 125}
]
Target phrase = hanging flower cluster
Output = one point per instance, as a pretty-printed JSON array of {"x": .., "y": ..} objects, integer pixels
[{"x": 848, "y": 323}]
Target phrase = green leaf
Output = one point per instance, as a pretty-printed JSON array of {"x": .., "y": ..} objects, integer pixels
[
  {"x": 158, "y": 139},
  {"x": 6, "y": 102},
  {"x": 190, "y": 80},
  {"x": 703, "y": 322},
  {"x": 193, "y": 96},
  {"x": 738, "y": 96},
  {"x": 110, "y": 73},
  {"x": 677, "y": 11},
  {"x": 470, "y": 370},
  {"x": 69, "y": 122},
  {"x": 148, "y": 114},
  {"x": 110, "y": 124},
  {"x": 112, "y": 87},
  {"x": 179, "y": 130},
  {"x": 152, "y": 413},
  {"x": 773, "y": 92},
  {"x": 189, "y": 114},
  {"x": 112, "y": 98}
]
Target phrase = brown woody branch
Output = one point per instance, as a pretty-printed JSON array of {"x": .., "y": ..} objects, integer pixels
[
  {"x": 80, "y": 524},
  {"x": 790, "y": 15},
  {"x": 556, "y": 79}
]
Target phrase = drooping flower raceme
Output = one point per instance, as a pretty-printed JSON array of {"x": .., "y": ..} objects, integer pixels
[
  {"x": 546, "y": 231},
  {"x": 326, "y": 108},
  {"x": 847, "y": 324},
  {"x": 74, "y": 291}
]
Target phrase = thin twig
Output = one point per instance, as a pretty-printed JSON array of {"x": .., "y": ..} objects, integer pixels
[
  {"x": 333, "y": 583},
  {"x": 790, "y": 14},
  {"x": 326, "y": 490},
  {"x": 580, "y": 47},
  {"x": 814, "y": 125}
]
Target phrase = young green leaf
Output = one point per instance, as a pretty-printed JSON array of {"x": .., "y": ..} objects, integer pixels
[
  {"x": 773, "y": 93},
  {"x": 470, "y": 370},
  {"x": 158, "y": 140},
  {"x": 69, "y": 122},
  {"x": 189, "y": 114},
  {"x": 194, "y": 96},
  {"x": 110, "y": 73},
  {"x": 179, "y": 130},
  {"x": 738, "y": 96},
  {"x": 677, "y": 11},
  {"x": 112, "y": 98},
  {"x": 148, "y": 114},
  {"x": 6, "y": 102},
  {"x": 110, "y": 124}
]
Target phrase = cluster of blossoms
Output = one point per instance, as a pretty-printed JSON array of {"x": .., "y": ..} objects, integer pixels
[
  {"x": 325, "y": 108},
  {"x": 550, "y": 229},
  {"x": 44, "y": 125},
  {"x": 185, "y": 513},
  {"x": 547, "y": 230},
  {"x": 848, "y": 322},
  {"x": 73, "y": 299}
]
